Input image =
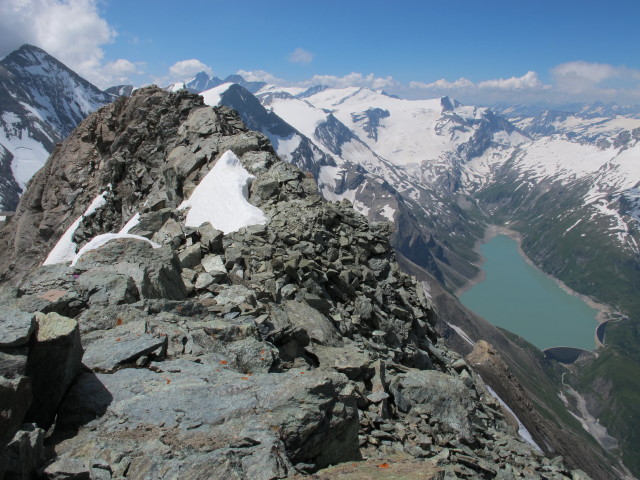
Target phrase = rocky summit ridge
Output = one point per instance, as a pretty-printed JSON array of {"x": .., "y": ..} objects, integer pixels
[{"x": 274, "y": 351}]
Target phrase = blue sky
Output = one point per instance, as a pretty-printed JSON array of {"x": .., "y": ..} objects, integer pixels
[{"x": 480, "y": 51}]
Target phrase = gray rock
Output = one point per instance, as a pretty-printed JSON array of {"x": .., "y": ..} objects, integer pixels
[
  {"x": 436, "y": 394},
  {"x": 190, "y": 256},
  {"x": 107, "y": 353},
  {"x": 15, "y": 399},
  {"x": 348, "y": 359},
  {"x": 16, "y": 327},
  {"x": 105, "y": 287},
  {"x": 301, "y": 416},
  {"x": 214, "y": 264},
  {"x": 25, "y": 453},
  {"x": 109, "y": 317},
  {"x": 170, "y": 234},
  {"x": 210, "y": 238},
  {"x": 67, "y": 469},
  {"x": 54, "y": 361},
  {"x": 156, "y": 272},
  {"x": 13, "y": 362},
  {"x": 232, "y": 330},
  {"x": 235, "y": 295},
  {"x": 203, "y": 280},
  {"x": 319, "y": 328}
]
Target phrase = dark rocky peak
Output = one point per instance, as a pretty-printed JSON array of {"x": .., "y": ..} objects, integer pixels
[
  {"x": 449, "y": 104},
  {"x": 289, "y": 344},
  {"x": 62, "y": 96},
  {"x": 387, "y": 94},
  {"x": 253, "y": 87},
  {"x": 252, "y": 112},
  {"x": 202, "y": 81}
]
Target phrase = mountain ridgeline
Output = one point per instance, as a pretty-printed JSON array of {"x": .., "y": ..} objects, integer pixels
[
  {"x": 275, "y": 349},
  {"x": 442, "y": 172}
]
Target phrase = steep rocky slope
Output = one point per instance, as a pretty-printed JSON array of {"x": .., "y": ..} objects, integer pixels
[{"x": 272, "y": 350}]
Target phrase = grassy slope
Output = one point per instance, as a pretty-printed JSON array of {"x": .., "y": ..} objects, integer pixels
[{"x": 613, "y": 382}]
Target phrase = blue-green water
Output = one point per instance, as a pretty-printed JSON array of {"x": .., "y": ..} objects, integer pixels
[{"x": 516, "y": 296}]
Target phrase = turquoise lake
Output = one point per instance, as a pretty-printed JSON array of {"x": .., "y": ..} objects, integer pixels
[{"x": 517, "y": 297}]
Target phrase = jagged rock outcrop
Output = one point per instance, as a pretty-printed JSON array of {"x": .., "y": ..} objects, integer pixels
[{"x": 270, "y": 351}]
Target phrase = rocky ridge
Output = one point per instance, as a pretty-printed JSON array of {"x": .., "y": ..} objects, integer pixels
[{"x": 273, "y": 351}]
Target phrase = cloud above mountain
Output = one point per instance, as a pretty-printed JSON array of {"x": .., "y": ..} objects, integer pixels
[
  {"x": 73, "y": 31},
  {"x": 185, "y": 69},
  {"x": 300, "y": 55},
  {"x": 571, "y": 81}
]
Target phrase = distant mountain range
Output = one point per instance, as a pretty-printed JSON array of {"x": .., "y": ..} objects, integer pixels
[{"x": 567, "y": 180}]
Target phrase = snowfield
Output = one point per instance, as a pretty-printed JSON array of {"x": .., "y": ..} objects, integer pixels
[{"x": 221, "y": 198}]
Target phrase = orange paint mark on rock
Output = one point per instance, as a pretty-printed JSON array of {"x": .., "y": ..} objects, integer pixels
[
  {"x": 383, "y": 465},
  {"x": 223, "y": 362},
  {"x": 119, "y": 322}
]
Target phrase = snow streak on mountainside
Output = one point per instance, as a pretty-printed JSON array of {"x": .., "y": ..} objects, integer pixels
[{"x": 41, "y": 102}]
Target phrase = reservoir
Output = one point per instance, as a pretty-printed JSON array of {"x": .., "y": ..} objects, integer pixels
[{"x": 517, "y": 297}]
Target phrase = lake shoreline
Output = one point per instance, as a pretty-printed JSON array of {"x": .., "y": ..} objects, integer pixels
[{"x": 605, "y": 312}]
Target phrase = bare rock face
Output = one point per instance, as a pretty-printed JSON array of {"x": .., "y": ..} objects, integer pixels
[
  {"x": 268, "y": 352},
  {"x": 54, "y": 362}
]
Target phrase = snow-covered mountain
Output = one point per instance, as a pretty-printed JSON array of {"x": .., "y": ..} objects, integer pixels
[
  {"x": 41, "y": 102},
  {"x": 202, "y": 82},
  {"x": 444, "y": 171}
]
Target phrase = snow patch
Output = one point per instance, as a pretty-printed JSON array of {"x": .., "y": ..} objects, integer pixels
[
  {"x": 213, "y": 96},
  {"x": 285, "y": 146},
  {"x": 388, "y": 212},
  {"x": 65, "y": 250},
  {"x": 522, "y": 430},
  {"x": 221, "y": 198},
  {"x": 462, "y": 334},
  {"x": 135, "y": 220}
]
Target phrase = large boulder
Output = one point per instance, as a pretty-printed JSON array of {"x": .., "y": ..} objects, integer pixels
[
  {"x": 208, "y": 422},
  {"x": 53, "y": 363},
  {"x": 155, "y": 271},
  {"x": 438, "y": 395}
]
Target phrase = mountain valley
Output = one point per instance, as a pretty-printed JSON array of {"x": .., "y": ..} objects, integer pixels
[{"x": 568, "y": 183}]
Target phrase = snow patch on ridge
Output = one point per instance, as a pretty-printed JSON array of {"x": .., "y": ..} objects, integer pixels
[
  {"x": 213, "y": 96},
  {"x": 221, "y": 198},
  {"x": 65, "y": 250}
]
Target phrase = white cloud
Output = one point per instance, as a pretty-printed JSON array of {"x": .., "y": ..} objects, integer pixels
[
  {"x": 353, "y": 80},
  {"x": 589, "y": 72},
  {"x": 259, "y": 76},
  {"x": 529, "y": 81},
  {"x": 119, "y": 72},
  {"x": 70, "y": 30},
  {"x": 186, "y": 69},
  {"x": 300, "y": 55},
  {"x": 443, "y": 84},
  {"x": 585, "y": 80}
]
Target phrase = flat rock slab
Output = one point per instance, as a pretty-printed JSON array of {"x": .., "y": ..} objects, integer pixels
[
  {"x": 389, "y": 468},
  {"x": 106, "y": 354},
  {"x": 192, "y": 418},
  {"x": 320, "y": 329},
  {"x": 16, "y": 327}
]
